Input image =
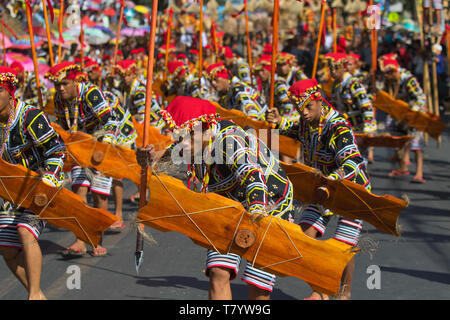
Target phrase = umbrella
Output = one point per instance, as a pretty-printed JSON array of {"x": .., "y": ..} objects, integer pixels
[
  {"x": 105, "y": 30},
  {"x": 26, "y": 61},
  {"x": 42, "y": 33},
  {"x": 8, "y": 42},
  {"x": 23, "y": 42},
  {"x": 141, "y": 9},
  {"x": 145, "y": 29},
  {"x": 132, "y": 32},
  {"x": 96, "y": 36},
  {"x": 130, "y": 4},
  {"x": 95, "y": 32}
]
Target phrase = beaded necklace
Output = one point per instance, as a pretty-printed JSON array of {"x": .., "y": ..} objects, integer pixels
[
  {"x": 6, "y": 128},
  {"x": 76, "y": 111},
  {"x": 324, "y": 112}
]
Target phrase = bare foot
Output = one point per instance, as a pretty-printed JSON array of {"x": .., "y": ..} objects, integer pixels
[
  {"x": 317, "y": 296},
  {"x": 39, "y": 296}
]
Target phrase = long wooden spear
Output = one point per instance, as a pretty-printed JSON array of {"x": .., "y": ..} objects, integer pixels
[
  {"x": 200, "y": 47},
  {"x": 3, "y": 43},
  {"x": 169, "y": 32},
  {"x": 374, "y": 45},
  {"x": 119, "y": 27},
  {"x": 249, "y": 47},
  {"x": 60, "y": 24},
  {"x": 276, "y": 9},
  {"x": 139, "y": 254},
  {"x": 82, "y": 46},
  {"x": 33, "y": 51},
  {"x": 49, "y": 40},
  {"x": 334, "y": 31},
  {"x": 319, "y": 38},
  {"x": 214, "y": 41}
]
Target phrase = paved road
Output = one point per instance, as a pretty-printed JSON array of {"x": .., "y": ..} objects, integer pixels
[{"x": 413, "y": 266}]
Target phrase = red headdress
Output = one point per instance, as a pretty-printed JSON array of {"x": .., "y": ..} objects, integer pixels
[
  {"x": 8, "y": 79},
  {"x": 171, "y": 50},
  {"x": 226, "y": 52},
  {"x": 267, "y": 49},
  {"x": 217, "y": 70},
  {"x": 265, "y": 62},
  {"x": 176, "y": 68},
  {"x": 17, "y": 66},
  {"x": 387, "y": 65},
  {"x": 91, "y": 65},
  {"x": 137, "y": 51},
  {"x": 353, "y": 56},
  {"x": 390, "y": 56},
  {"x": 65, "y": 70},
  {"x": 126, "y": 67},
  {"x": 183, "y": 113},
  {"x": 285, "y": 58},
  {"x": 304, "y": 91},
  {"x": 336, "y": 59}
]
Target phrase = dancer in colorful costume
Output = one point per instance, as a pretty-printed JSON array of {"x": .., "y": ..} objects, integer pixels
[
  {"x": 328, "y": 145},
  {"x": 236, "y": 165},
  {"x": 28, "y": 139}
]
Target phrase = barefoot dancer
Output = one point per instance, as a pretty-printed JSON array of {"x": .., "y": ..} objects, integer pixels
[
  {"x": 27, "y": 139},
  {"x": 329, "y": 145},
  {"x": 242, "y": 168},
  {"x": 81, "y": 106}
]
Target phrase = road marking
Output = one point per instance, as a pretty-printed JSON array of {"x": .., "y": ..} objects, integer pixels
[
  {"x": 59, "y": 286},
  {"x": 11, "y": 282}
]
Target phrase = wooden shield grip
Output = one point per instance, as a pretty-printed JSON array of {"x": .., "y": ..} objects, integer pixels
[
  {"x": 159, "y": 140},
  {"x": 272, "y": 244},
  {"x": 346, "y": 198},
  {"x": 58, "y": 206},
  {"x": 287, "y": 146}
]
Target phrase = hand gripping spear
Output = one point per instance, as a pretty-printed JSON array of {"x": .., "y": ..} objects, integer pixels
[{"x": 139, "y": 254}]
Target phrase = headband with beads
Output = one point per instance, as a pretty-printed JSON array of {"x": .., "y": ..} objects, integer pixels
[{"x": 310, "y": 94}]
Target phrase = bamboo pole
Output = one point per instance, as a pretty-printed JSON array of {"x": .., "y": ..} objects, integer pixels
[
  {"x": 319, "y": 38},
  {"x": 33, "y": 51},
  {"x": 49, "y": 40}
]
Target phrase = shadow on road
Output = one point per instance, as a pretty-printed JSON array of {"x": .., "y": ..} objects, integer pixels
[
  {"x": 427, "y": 275},
  {"x": 239, "y": 291}
]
